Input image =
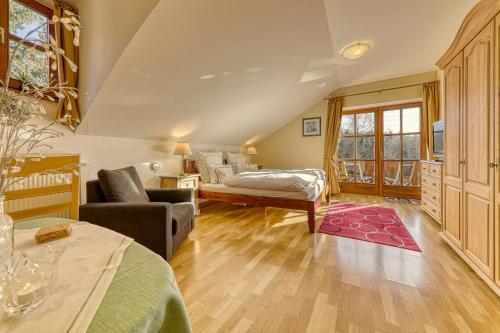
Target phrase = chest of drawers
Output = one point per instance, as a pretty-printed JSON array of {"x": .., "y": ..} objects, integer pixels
[{"x": 432, "y": 183}]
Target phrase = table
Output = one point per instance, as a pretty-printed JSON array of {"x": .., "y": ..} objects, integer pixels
[
  {"x": 143, "y": 296},
  {"x": 190, "y": 180}
]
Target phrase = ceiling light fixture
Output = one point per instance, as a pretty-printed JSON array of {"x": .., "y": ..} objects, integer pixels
[{"x": 356, "y": 50}]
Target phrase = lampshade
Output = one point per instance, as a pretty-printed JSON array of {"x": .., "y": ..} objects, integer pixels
[
  {"x": 251, "y": 151},
  {"x": 356, "y": 50},
  {"x": 182, "y": 148}
]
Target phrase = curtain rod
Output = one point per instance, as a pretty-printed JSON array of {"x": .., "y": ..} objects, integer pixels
[{"x": 377, "y": 91}]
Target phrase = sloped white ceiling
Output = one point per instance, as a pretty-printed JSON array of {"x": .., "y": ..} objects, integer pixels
[
  {"x": 232, "y": 72},
  {"x": 409, "y": 35}
]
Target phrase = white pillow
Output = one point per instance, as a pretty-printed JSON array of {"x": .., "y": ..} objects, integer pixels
[
  {"x": 202, "y": 161},
  {"x": 237, "y": 158},
  {"x": 212, "y": 172},
  {"x": 223, "y": 172},
  {"x": 246, "y": 167}
]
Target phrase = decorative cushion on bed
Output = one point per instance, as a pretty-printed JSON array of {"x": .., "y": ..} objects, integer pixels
[
  {"x": 246, "y": 167},
  {"x": 234, "y": 159},
  {"x": 223, "y": 172},
  {"x": 122, "y": 185},
  {"x": 237, "y": 158},
  {"x": 203, "y": 160},
  {"x": 214, "y": 179}
]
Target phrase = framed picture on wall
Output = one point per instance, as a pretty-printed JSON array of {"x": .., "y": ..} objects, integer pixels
[{"x": 311, "y": 126}]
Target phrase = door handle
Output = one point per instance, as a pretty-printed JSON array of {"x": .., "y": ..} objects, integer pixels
[
  {"x": 2, "y": 35},
  {"x": 461, "y": 162},
  {"x": 493, "y": 165}
]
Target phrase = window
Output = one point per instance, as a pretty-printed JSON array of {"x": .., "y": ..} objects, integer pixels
[
  {"x": 356, "y": 148},
  {"x": 30, "y": 63},
  {"x": 402, "y": 146},
  {"x": 379, "y": 150}
]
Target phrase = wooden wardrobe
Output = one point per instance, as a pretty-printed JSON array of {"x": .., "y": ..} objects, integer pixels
[{"x": 471, "y": 197}]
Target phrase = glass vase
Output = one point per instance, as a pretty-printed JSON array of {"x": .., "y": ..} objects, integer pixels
[
  {"x": 32, "y": 279},
  {"x": 6, "y": 246}
]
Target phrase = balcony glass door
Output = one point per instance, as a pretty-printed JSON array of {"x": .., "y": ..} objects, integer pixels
[
  {"x": 357, "y": 153},
  {"x": 401, "y": 151},
  {"x": 379, "y": 151}
]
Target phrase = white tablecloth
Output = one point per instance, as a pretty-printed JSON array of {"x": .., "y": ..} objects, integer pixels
[{"x": 86, "y": 270}]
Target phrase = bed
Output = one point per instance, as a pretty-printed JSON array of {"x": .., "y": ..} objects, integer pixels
[{"x": 308, "y": 198}]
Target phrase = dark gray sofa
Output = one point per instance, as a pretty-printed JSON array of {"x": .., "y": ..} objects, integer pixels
[{"x": 160, "y": 222}]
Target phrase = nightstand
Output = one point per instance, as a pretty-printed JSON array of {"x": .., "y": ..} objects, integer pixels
[{"x": 182, "y": 181}]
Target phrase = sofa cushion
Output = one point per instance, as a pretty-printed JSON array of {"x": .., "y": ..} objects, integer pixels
[
  {"x": 182, "y": 216},
  {"x": 122, "y": 185},
  {"x": 94, "y": 192}
]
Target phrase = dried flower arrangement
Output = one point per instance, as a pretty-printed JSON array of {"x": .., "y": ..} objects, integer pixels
[{"x": 21, "y": 134}]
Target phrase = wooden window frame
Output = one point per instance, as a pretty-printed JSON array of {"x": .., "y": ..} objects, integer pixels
[
  {"x": 379, "y": 188},
  {"x": 4, "y": 48},
  {"x": 355, "y": 187},
  {"x": 399, "y": 190}
]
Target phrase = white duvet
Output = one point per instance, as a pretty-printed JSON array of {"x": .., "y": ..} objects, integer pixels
[{"x": 278, "y": 180}]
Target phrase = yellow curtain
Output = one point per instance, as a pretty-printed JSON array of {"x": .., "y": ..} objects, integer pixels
[
  {"x": 333, "y": 121},
  {"x": 430, "y": 113},
  {"x": 67, "y": 111}
]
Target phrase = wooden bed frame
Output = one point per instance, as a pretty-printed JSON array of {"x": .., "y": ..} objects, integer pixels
[
  {"x": 260, "y": 201},
  {"x": 295, "y": 204}
]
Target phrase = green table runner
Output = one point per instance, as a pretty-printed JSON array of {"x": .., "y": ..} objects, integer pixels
[{"x": 143, "y": 296}]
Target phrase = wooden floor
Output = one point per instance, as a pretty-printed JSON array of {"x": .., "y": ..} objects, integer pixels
[{"x": 259, "y": 270}]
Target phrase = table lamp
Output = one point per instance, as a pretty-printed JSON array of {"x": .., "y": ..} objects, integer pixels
[
  {"x": 251, "y": 151},
  {"x": 182, "y": 149}
]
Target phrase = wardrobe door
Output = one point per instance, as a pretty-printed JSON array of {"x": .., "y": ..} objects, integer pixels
[
  {"x": 478, "y": 213},
  {"x": 452, "y": 174},
  {"x": 497, "y": 150}
]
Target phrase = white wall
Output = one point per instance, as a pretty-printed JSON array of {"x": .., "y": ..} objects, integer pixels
[
  {"x": 108, "y": 27},
  {"x": 287, "y": 148},
  {"x": 112, "y": 153}
]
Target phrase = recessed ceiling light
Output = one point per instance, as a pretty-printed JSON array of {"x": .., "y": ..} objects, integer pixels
[{"x": 356, "y": 50}]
